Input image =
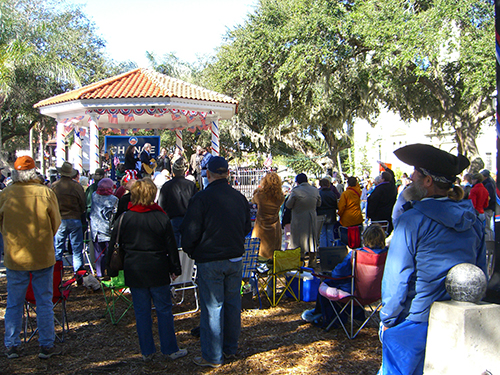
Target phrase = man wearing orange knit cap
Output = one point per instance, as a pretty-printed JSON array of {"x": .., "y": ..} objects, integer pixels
[{"x": 29, "y": 219}]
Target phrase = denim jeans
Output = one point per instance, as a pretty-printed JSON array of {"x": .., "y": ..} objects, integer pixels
[
  {"x": 220, "y": 301},
  {"x": 176, "y": 224},
  {"x": 205, "y": 182},
  {"x": 326, "y": 237},
  {"x": 17, "y": 284},
  {"x": 489, "y": 224},
  {"x": 401, "y": 355},
  {"x": 73, "y": 229},
  {"x": 363, "y": 206},
  {"x": 160, "y": 295}
]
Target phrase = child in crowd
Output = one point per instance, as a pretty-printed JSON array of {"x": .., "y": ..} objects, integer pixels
[{"x": 374, "y": 241}]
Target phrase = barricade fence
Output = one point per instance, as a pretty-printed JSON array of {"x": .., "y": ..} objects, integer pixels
[{"x": 246, "y": 180}]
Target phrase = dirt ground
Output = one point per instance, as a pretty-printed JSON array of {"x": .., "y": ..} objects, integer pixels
[{"x": 273, "y": 341}]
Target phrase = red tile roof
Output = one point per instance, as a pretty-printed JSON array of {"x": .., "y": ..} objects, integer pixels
[{"x": 139, "y": 83}]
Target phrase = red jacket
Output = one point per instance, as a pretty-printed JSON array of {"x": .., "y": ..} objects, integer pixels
[{"x": 479, "y": 197}]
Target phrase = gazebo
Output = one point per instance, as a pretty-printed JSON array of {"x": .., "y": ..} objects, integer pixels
[{"x": 138, "y": 99}]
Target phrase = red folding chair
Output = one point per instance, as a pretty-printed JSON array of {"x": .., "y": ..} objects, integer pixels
[
  {"x": 61, "y": 293},
  {"x": 366, "y": 281}
]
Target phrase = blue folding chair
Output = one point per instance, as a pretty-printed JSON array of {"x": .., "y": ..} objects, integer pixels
[{"x": 252, "y": 246}]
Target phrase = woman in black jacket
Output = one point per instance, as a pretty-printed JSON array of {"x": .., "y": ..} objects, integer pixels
[
  {"x": 131, "y": 160},
  {"x": 151, "y": 259},
  {"x": 328, "y": 209}
]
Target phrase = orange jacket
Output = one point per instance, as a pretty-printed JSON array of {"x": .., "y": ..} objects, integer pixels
[{"x": 349, "y": 207}]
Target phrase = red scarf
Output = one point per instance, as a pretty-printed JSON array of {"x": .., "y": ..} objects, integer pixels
[{"x": 141, "y": 208}]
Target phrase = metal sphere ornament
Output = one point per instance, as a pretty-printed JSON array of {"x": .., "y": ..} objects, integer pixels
[{"x": 466, "y": 283}]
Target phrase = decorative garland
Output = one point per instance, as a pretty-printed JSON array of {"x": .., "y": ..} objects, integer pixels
[{"x": 128, "y": 115}]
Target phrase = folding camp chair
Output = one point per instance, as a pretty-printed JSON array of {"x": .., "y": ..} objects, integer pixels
[
  {"x": 185, "y": 282},
  {"x": 117, "y": 301},
  {"x": 252, "y": 246},
  {"x": 86, "y": 250},
  {"x": 61, "y": 293},
  {"x": 382, "y": 223},
  {"x": 351, "y": 236},
  {"x": 366, "y": 281},
  {"x": 286, "y": 269},
  {"x": 329, "y": 257}
]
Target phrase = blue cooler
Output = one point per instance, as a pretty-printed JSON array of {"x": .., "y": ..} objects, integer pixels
[{"x": 309, "y": 285}]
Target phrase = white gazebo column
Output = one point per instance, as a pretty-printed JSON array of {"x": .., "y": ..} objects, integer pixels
[
  {"x": 94, "y": 144},
  {"x": 41, "y": 151},
  {"x": 215, "y": 138},
  {"x": 60, "y": 145},
  {"x": 178, "y": 139},
  {"x": 79, "y": 151}
]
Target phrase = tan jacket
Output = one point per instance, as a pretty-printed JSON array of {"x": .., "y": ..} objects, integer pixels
[
  {"x": 71, "y": 198},
  {"x": 303, "y": 201},
  {"x": 267, "y": 224},
  {"x": 29, "y": 219}
]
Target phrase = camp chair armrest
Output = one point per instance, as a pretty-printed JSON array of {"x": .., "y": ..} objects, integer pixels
[
  {"x": 320, "y": 276},
  {"x": 68, "y": 283}
]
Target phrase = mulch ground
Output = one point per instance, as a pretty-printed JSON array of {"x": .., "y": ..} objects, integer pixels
[{"x": 273, "y": 341}]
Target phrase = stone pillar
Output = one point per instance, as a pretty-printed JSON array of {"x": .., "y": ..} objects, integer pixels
[{"x": 463, "y": 338}]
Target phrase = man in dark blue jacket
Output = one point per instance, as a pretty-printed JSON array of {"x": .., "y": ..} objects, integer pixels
[
  {"x": 328, "y": 209},
  {"x": 204, "y": 165},
  {"x": 381, "y": 201},
  {"x": 213, "y": 234},
  {"x": 175, "y": 195}
]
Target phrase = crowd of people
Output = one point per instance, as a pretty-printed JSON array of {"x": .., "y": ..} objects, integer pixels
[{"x": 191, "y": 206}]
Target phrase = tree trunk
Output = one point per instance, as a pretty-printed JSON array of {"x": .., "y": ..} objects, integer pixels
[
  {"x": 466, "y": 139},
  {"x": 466, "y": 135},
  {"x": 334, "y": 144}
]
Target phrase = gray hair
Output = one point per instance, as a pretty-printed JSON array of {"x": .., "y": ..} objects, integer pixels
[{"x": 24, "y": 176}]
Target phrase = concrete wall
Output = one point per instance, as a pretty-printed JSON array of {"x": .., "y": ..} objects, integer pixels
[{"x": 463, "y": 338}]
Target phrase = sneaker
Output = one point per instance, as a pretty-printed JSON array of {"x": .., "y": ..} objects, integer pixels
[
  {"x": 200, "y": 361},
  {"x": 178, "y": 354},
  {"x": 196, "y": 331},
  {"x": 12, "y": 352},
  {"x": 229, "y": 356},
  {"x": 148, "y": 358},
  {"x": 47, "y": 352},
  {"x": 310, "y": 315}
]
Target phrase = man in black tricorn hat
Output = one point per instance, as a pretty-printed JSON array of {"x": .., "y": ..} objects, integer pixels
[{"x": 440, "y": 231}]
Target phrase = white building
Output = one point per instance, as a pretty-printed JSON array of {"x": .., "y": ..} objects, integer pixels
[{"x": 390, "y": 133}]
